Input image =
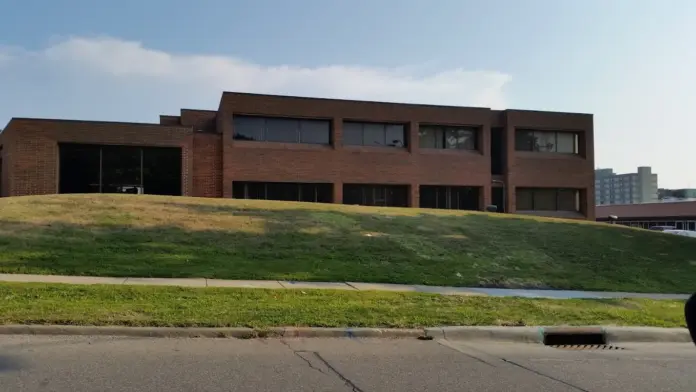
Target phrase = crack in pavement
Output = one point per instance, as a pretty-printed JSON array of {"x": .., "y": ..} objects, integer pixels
[
  {"x": 446, "y": 343},
  {"x": 307, "y": 361},
  {"x": 298, "y": 353},
  {"x": 544, "y": 375},
  {"x": 451, "y": 347},
  {"x": 341, "y": 376}
]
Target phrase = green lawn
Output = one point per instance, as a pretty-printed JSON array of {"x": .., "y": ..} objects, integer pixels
[
  {"x": 126, "y": 235},
  {"x": 35, "y": 303}
]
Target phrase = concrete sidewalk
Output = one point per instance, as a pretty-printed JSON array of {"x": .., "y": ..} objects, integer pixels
[{"x": 352, "y": 286}]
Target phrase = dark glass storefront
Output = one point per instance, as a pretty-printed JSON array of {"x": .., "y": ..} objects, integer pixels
[{"x": 88, "y": 168}]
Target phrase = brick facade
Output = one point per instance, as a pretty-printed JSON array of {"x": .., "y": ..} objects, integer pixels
[{"x": 212, "y": 159}]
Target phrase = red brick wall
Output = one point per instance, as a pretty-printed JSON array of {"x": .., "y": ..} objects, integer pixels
[
  {"x": 338, "y": 164},
  {"x": 213, "y": 160},
  {"x": 207, "y": 165},
  {"x": 34, "y": 162},
  {"x": 199, "y": 120},
  {"x": 170, "y": 120},
  {"x": 244, "y": 161},
  {"x": 4, "y": 172},
  {"x": 530, "y": 169}
]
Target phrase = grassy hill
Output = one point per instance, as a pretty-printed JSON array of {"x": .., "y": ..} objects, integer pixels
[{"x": 126, "y": 235}]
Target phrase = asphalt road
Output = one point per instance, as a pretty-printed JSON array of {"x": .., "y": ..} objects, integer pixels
[{"x": 87, "y": 364}]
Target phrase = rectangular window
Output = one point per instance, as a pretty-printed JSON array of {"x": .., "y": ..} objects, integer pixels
[
  {"x": 162, "y": 171},
  {"x": 548, "y": 199},
  {"x": 395, "y": 135},
  {"x": 525, "y": 199},
  {"x": 315, "y": 132},
  {"x": 448, "y": 137},
  {"x": 567, "y": 142},
  {"x": 284, "y": 191},
  {"x": 80, "y": 168},
  {"x": 282, "y": 130},
  {"x": 376, "y": 195},
  {"x": 119, "y": 169},
  {"x": 546, "y": 141},
  {"x": 374, "y": 134},
  {"x": 449, "y": 197},
  {"x": 248, "y": 128},
  {"x": 524, "y": 140},
  {"x": 544, "y": 200},
  {"x": 121, "y": 166}
]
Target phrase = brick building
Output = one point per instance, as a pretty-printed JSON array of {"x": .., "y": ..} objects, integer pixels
[
  {"x": 679, "y": 214},
  {"x": 320, "y": 150}
]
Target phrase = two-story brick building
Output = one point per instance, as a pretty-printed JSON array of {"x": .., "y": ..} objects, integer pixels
[{"x": 317, "y": 150}]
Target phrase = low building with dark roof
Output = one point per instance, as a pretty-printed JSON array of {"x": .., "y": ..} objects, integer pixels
[{"x": 680, "y": 214}]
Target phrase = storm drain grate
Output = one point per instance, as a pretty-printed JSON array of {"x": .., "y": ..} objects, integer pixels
[
  {"x": 576, "y": 339},
  {"x": 586, "y": 347}
]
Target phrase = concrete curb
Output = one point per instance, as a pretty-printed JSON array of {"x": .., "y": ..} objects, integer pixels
[
  {"x": 239, "y": 333},
  {"x": 613, "y": 335},
  {"x": 646, "y": 335},
  {"x": 509, "y": 334}
]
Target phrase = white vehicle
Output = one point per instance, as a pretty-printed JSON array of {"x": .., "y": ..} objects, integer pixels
[{"x": 685, "y": 233}]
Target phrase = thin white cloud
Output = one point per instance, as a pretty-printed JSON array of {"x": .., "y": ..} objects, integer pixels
[{"x": 123, "y": 80}]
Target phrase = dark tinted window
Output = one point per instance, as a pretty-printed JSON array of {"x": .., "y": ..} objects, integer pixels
[
  {"x": 449, "y": 197},
  {"x": 282, "y": 130},
  {"x": 396, "y": 135},
  {"x": 428, "y": 197},
  {"x": 525, "y": 199},
  {"x": 79, "y": 168},
  {"x": 315, "y": 132},
  {"x": 546, "y": 141},
  {"x": 568, "y": 200},
  {"x": 497, "y": 153},
  {"x": 465, "y": 198},
  {"x": 374, "y": 134},
  {"x": 119, "y": 169},
  {"x": 547, "y": 199},
  {"x": 162, "y": 171},
  {"x": 352, "y": 134},
  {"x": 524, "y": 140},
  {"x": 282, "y": 191},
  {"x": 248, "y": 128},
  {"x": 286, "y": 191},
  {"x": 255, "y": 191},
  {"x": 376, "y": 195},
  {"x": 450, "y": 137}
]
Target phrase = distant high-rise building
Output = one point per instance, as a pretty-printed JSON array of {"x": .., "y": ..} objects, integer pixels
[{"x": 629, "y": 188}]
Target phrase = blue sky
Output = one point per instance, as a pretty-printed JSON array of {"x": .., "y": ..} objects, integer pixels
[{"x": 632, "y": 63}]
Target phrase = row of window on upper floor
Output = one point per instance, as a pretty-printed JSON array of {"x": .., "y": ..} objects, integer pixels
[{"x": 311, "y": 131}]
